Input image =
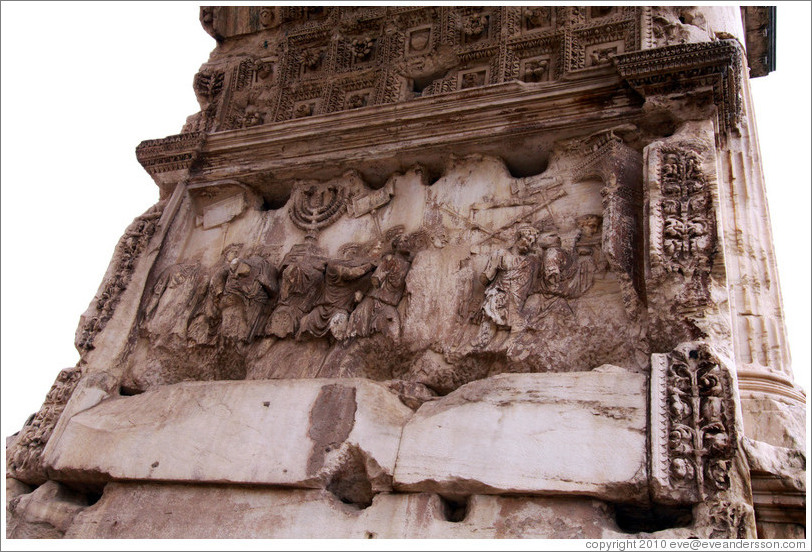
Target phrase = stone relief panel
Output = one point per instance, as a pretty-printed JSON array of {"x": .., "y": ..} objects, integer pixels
[
  {"x": 696, "y": 454},
  {"x": 301, "y": 62},
  {"x": 685, "y": 269},
  {"x": 695, "y": 438},
  {"x": 432, "y": 280}
]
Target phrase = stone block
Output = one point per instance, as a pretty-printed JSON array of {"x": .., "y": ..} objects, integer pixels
[
  {"x": 570, "y": 434},
  {"x": 45, "y": 513},
  {"x": 774, "y": 420},
  {"x": 138, "y": 510},
  {"x": 339, "y": 434}
]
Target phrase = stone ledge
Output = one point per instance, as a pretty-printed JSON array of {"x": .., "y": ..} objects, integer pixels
[
  {"x": 305, "y": 433},
  {"x": 574, "y": 433},
  {"x": 139, "y": 510}
]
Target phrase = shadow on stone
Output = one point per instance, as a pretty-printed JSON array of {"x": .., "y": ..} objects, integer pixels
[{"x": 648, "y": 519}]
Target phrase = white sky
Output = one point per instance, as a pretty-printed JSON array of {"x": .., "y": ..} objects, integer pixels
[{"x": 84, "y": 83}]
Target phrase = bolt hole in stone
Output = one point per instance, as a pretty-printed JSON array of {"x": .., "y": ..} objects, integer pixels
[
  {"x": 125, "y": 391},
  {"x": 369, "y": 535},
  {"x": 647, "y": 519},
  {"x": 454, "y": 510},
  {"x": 93, "y": 497},
  {"x": 272, "y": 204}
]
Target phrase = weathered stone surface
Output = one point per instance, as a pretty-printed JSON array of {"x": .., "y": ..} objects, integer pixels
[
  {"x": 581, "y": 433},
  {"x": 474, "y": 207},
  {"x": 45, "y": 513},
  {"x": 778, "y": 477},
  {"x": 312, "y": 433},
  {"x": 775, "y": 420},
  {"x": 134, "y": 510},
  {"x": 784, "y": 464}
]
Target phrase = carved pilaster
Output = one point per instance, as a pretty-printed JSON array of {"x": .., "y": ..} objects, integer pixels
[
  {"x": 685, "y": 271},
  {"x": 696, "y": 452},
  {"x": 693, "y": 433}
]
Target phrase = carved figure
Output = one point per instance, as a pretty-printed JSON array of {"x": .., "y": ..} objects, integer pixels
[
  {"x": 245, "y": 290},
  {"x": 177, "y": 297},
  {"x": 537, "y": 17},
  {"x": 536, "y": 71},
  {"x": 565, "y": 273},
  {"x": 378, "y": 312},
  {"x": 475, "y": 25},
  {"x": 603, "y": 55},
  {"x": 303, "y": 110},
  {"x": 508, "y": 278},
  {"x": 253, "y": 117},
  {"x": 345, "y": 283},
  {"x": 357, "y": 100},
  {"x": 299, "y": 288}
]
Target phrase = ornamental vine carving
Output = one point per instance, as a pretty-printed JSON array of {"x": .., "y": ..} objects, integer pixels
[
  {"x": 24, "y": 457},
  {"x": 688, "y": 235},
  {"x": 693, "y": 430}
]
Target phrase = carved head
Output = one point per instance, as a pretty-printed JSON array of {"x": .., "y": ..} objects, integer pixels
[
  {"x": 589, "y": 225},
  {"x": 264, "y": 69},
  {"x": 526, "y": 237}
]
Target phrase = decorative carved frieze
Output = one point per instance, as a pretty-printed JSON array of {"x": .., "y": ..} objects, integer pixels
[
  {"x": 682, "y": 221},
  {"x": 404, "y": 52},
  {"x": 681, "y": 67},
  {"x": 24, "y": 457},
  {"x": 693, "y": 431},
  {"x": 689, "y": 229}
]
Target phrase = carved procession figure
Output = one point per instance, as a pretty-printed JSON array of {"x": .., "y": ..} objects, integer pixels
[
  {"x": 566, "y": 273},
  {"x": 378, "y": 312},
  {"x": 177, "y": 297},
  {"x": 299, "y": 289},
  {"x": 249, "y": 289},
  {"x": 508, "y": 278},
  {"x": 345, "y": 283}
]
